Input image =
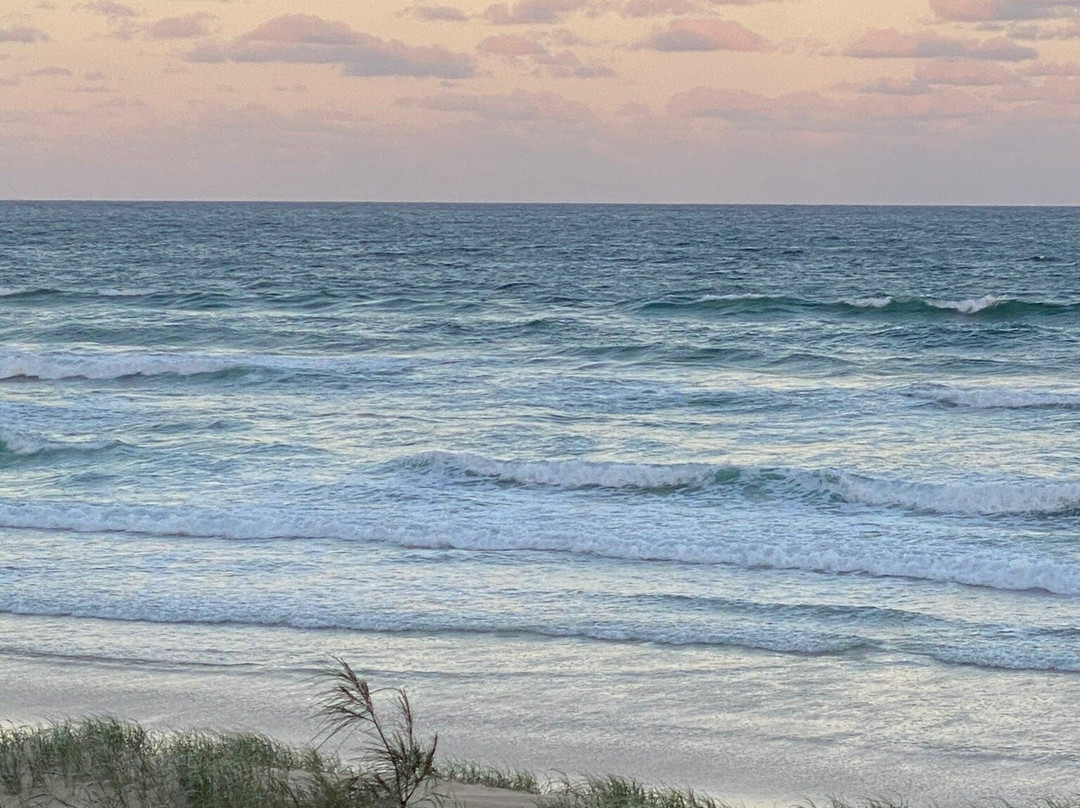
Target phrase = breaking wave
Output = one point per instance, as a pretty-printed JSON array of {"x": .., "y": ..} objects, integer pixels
[
  {"x": 629, "y": 531},
  {"x": 15, "y": 446},
  {"x": 964, "y": 498},
  {"x": 996, "y": 305},
  {"x": 56, "y": 365},
  {"x": 991, "y": 398}
]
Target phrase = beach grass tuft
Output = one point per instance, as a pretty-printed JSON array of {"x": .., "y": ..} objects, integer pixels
[
  {"x": 397, "y": 764},
  {"x": 621, "y": 792},
  {"x": 490, "y": 776}
]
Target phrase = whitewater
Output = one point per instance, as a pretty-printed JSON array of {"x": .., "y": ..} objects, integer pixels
[{"x": 767, "y": 501}]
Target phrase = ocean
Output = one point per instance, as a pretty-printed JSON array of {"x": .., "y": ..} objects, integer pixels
[{"x": 766, "y": 501}]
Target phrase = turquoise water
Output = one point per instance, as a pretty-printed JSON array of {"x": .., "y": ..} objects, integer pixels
[{"x": 791, "y": 466}]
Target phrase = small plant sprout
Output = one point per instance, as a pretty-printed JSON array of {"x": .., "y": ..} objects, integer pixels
[{"x": 401, "y": 767}]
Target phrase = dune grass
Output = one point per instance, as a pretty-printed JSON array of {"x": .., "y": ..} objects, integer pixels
[
  {"x": 490, "y": 776},
  {"x": 106, "y": 763},
  {"x": 114, "y": 764},
  {"x": 620, "y": 792}
]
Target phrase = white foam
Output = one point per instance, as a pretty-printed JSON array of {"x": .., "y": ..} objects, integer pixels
[
  {"x": 567, "y": 473},
  {"x": 971, "y": 306},
  {"x": 963, "y": 498},
  {"x": 697, "y": 537},
  {"x": 987, "y": 398},
  {"x": 136, "y": 292},
  {"x": 105, "y": 366},
  {"x": 18, "y": 443},
  {"x": 868, "y": 302}
]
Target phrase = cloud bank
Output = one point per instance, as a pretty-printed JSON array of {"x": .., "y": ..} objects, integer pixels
[{"x": 309, "y": 39}]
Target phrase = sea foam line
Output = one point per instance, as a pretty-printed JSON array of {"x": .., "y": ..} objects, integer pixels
[
  {"x": 775, "y": 637},
  {"x": 192, "y": 611},
  {"x": 704, "y": 539}
]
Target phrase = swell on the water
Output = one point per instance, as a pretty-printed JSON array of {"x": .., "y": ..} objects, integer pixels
[
  {"x": 57, "y": 365},
  {"x": 15, "y": 446},
  {"x": 772, "y": 637},
  {"x": 996, "y": 305},
  {"x": 963, "y": 498},
  {"x": 568, "y": 473},
  {"x": 776, "y": 638},
  {"x": 704, "y": 540},
  {"x": 19, "y": 293},
  {"x": 993, "y": 398}
]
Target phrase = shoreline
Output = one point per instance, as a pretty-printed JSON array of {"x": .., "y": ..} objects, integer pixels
[{"x": 512, "y": 730}]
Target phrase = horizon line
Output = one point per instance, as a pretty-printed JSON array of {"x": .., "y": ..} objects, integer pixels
[{"x": 538, "y": 203}]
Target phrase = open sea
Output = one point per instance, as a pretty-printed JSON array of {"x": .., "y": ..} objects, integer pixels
[{"x": 767, "y": 501}]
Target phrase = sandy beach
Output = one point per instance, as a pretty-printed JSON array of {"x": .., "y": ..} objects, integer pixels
[{"x": 490, "y": 722}]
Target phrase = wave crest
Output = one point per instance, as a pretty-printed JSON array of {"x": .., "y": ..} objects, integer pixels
[
  {"x": 990, "y": 398},
  {"x": 23, "y": 447},
  {"x": 702, "y": 540},
  {"x": 568, "y": 473},
  {"x": 962, "y": 498},
  {"x": 880, "y": 304},
  {"x": 57, "y": 365}
]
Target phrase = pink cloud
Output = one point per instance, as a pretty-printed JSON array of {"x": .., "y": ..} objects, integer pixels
[
  {"x": 703, "y": 102},
  {"x": 566, "y": 37},
  {"x": 962, "y": 73},
  {"x": 510, "y": 45},
  {"x": 705, "y": 35},
  {"x": 940, "y": 105},
  {"x": 889, "y": 85},
  {"x": 186, "y": 27},
  {"x": 518, "y": 106},
  {"x": 23, "y": 33},
  {"x": 439, "y": 13},
  {"x": 1052, "y": 90},
  {"x": 533, "y": 11},
  {"x": 308, "y": 39},
  {"x": 657, "y": 8},
  {"x": 560, "y": 65},
  {"x": 301, "y": 29},
  {"x": 566, "y": 65},
  {"x": 1068, "y": 29},
  {"x": 993, "y": 10},
  {"x": 888, "y": 43},
  {"x": 50, "y": 71},
  {"x": 109, "y": 8},
  {"x": 1053, "y": 69},
  {"x": 814, "y": 113},
  {"x": 965, "y": 10}
]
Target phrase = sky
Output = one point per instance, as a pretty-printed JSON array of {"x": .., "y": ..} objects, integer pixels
[{"x": 726, "y": 101}]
